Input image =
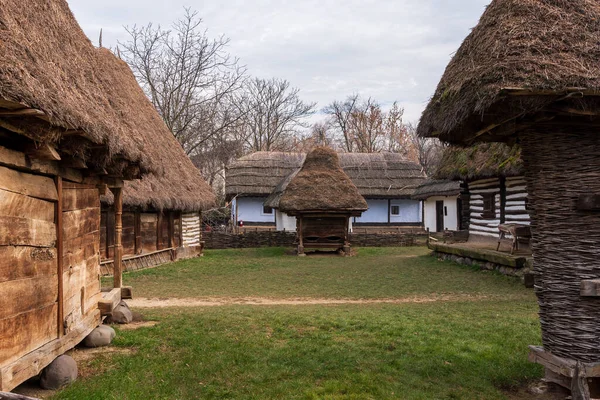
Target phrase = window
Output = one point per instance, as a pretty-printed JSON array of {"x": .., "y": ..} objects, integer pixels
[
  {"x": 267, "y": 210},
  {"x": 395, "y": 210},
  {"x": 489, "y": 206}
]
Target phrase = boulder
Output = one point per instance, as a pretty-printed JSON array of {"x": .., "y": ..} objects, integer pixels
[
  {"x": 61, "y": 372},
  {"x": 120, "y": 315},
  {"x": 101, "y": 336}
]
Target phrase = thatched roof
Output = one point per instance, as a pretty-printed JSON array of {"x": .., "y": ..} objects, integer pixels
[
  {"x": 384, "y": 175},
  {"x": 48, "y": 64},
  {"x": 522, "y": 57},
  {"x": 484, "y": 160},
  {"x": 321, "y": 185},
  {"x": 433, "y": 188},
  {"x": 180, "y": 187}
]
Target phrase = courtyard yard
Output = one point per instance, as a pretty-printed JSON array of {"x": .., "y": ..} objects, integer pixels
[{"x": 262, "y": 324}]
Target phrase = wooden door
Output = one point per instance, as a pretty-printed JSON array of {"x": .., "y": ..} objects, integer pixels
[{"x": 439, "y": 216}]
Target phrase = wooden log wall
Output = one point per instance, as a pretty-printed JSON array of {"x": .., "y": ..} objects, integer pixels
[
  {"x": 28, "y": 264},
  {"x": 516, "y": 201},
  {"x": 191, "y": 229},
  {"x": 81, "y": 261},
  {"x": 478, "y": 224},
  {"x": 49, "y": 263}
]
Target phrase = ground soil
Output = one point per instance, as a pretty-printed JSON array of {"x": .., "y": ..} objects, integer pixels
[{"x": 258, "y": 301}]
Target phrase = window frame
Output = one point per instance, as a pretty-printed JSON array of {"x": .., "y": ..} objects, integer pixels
[
  {"x": 392, "y": 206},
  {"x": 263, "y": 212},
  {"x": 489, "y": 206}
]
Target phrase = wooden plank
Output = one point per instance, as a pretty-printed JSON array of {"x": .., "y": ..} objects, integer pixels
[
  {"x": 109, "y": 301},
  {"x": 24, "y": 295},
  {"x": 559, "y": 365},
  {"x": 21, "y": 262},
  {"x": 589, "y": 202},
  {"x": 18, "y": 205},
  {"x": 590, "y": 288},
  {"x": 15, "y": 396},
  {"x": 40, "y": 187},
  {"x": 43, "y": 152},
  {"x": 59, "y": 251},
  {"x": 26, "y": 332},
  {"x": 79, "y": 199},
  {"x": 81, "y": 222},
  {"x": 32, "y": 364},
  {"x": 118, "y": 267},
  {"x": 16, "y": 231}
]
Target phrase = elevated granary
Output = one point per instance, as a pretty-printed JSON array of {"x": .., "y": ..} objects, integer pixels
[
  {"x": 323, "y": 198},
  {"x": 529, "y": 73}
]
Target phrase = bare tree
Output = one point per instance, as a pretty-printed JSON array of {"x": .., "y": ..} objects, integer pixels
[
  {"x": 340, "y": 113},
  {"x": 274, "y": 114},
  {"x": 191, "y": 79},
  {"x": 427, "y": 151},
  {"x": 363, "y": 126}
]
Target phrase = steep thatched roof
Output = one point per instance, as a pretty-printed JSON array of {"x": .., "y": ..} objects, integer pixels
[
  {"x": 484, "y": 160},
  {"x": 321, "y": 185},
  {"x": 523, "y": 57},
  {"x": 180, "y": 186},
  {"x": 48, "y": 64},
  {"x": 385, "y": 175},
  {"x": 437, "y": 188}
]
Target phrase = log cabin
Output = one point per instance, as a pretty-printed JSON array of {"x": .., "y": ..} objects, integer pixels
[
  {"x": 386, "y": 181},
  {"x": 162, "y": 218},
  {"x": 493, "y": 186},
  {"x": 73, "y": 126},
  {"x": 529, "y": 73},
  {"x": 323, "y": 199}
]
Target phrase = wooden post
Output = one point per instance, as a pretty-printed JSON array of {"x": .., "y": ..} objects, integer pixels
[
  {"x": 159, "y": 222},
  {"x": 300, "y": 236},
  {"x": 171, "y": 229},
  {"x": 137, "y": 228},
  {"x": 59, "y": 255},
  {"x": 117, "y": 277}
]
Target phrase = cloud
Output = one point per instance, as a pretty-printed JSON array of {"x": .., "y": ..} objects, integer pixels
[{"x": 391, "y": 50}]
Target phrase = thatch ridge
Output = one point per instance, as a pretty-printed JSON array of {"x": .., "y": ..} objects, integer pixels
[
  {"x": 484, "y": 160},
  {"x": 180, "y": 185},
  {"x": 47, "y": 63},
  {"x": 383, "y": 175},
  {"x": 434, "y": 187},
  {"x": 321, "y": 185},
  {"x": 548, "y": 46}
]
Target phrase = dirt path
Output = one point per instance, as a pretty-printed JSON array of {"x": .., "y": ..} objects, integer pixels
[{"x": 259, "y": 301}]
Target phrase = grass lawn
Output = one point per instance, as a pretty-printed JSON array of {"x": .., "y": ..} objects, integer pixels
[
  {"x": 374, "y": 273},
  {"x": 456, "y": 349}
]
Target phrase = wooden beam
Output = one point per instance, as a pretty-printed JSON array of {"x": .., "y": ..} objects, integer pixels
[
  {"x": 15, "y": 396},
  {"x": 59, "y": 255},
  {"x": 590, "y": 288},
  {"x": 23, "y": 112},
  {"x": 589, "y": 202},
  {"x": 159, "y": 221},
  {"x": 171, "y": 229},
  {"x": 43, "y": 152},
  {"x": 109, "y": 301}
]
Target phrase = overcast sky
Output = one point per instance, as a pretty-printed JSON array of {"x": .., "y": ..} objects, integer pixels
[{"x": 391, "y": 50}]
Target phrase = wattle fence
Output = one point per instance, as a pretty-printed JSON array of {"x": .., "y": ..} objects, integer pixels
[{"x": 254, "y": 239}]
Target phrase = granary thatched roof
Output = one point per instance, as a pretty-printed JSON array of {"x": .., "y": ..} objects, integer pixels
[
  {"x": 437, "y": 188},
  {"x": 321, "y": 185},
  {"x": 181, "y": 186},
  {"x": 48, "y": 64},
  {"x": 384, "y": 175},
  {"x": 524, "y": 56},
  {"x": 480, "y": 161}
]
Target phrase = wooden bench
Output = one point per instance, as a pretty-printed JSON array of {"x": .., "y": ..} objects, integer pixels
[{"x": 517, "y": 231}]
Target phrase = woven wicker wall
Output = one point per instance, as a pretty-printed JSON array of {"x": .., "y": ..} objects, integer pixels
[{"x": 560, "y": 165}]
